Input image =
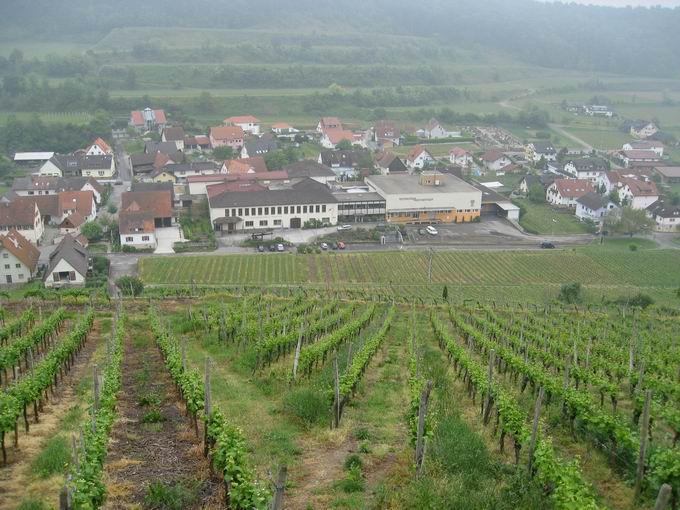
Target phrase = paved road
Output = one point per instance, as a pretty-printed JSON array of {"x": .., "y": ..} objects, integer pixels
[{"x": 560, "y": 129}]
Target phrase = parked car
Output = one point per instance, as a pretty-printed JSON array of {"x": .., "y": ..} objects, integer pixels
[
  {"x": 272, "y": 247},
  {"x": 431, "y": 230},
  {"x": 341, "y": 245},
  {"x": 324, "y": 246},
  {"x": 260, "y": 249},
  {"x": 344, "y": 227},
  {"x": 119, "y": 183},
  {"x": 547, "y": 245},
  {"x": 280, "y": 247}
]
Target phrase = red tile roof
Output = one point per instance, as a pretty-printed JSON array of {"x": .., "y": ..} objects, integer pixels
[
  {"x": 573, "y": 188},
  {"x": 21, "y": 248},
  {"x": 159, "y": 203},
  {"x": 137, "y": 118},
  {"x": 73, "y": 221},
  {"x": 81, "y": 201},
  {"x": 337, "y": 135},
  {"x": 242, "y": 119},
  {"x": 641, "y": 188},
  {"x": 103, "y": 146},
  {"x": 160, "y": 116},
  {"x": 640, "y": 154},
  {"x": 245, "y": 186},
  {"x": 416, "y": 151},
  {"x": 19, "y": 212},
  {"x": 227, "y": 133}
]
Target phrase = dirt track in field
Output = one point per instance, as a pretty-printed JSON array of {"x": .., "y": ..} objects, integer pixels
[
  {"x": 142, "y": 453},
  {"x": 16, "y": 480}
]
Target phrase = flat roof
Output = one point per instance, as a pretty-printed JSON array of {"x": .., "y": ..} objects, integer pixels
[
  {"x": 344, "y": 197},
  {"x": 407, "y": 184},
  {"x": 33, "y": 156}
]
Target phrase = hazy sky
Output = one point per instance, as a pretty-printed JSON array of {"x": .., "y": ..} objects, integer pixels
[{"x": 623, "y": 3}]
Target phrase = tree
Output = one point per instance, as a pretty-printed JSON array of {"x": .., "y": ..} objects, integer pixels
[
  {"x": 570, "y": 293},
  {"x": 223, "y": 153},
  {"x": 536, "y": 193},
  {"x": 614, "y": 196},
  {"x": 344, "y": 145},
  {"x": 130, "y": 286},
  {"x": 92, "y": 230},
  {"x": 629, "y": 221}
]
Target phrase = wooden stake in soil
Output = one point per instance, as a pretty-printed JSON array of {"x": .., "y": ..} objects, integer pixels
[
  {"x": 336, "y": 404},
  {"x": 487, "y": 404},
  {"x": 297, "y": 354},
  {"x": 279, "y": 487},
  {"x": 420, "y": 441},
  {"x": 534, "y": 427},
  {"x": 644, "y": 439},
  {"x": 663, "y": 498},
  {"x": 207, "y": 407},
  {"x": 96, "y": 387}
]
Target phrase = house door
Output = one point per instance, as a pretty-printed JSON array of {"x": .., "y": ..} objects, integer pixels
[
  {"x": 231, "y": 227},
  {"x": 295, "y": 223},
  {"x": 9, "y": 278}
]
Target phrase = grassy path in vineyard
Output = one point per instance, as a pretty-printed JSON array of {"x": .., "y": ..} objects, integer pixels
[
  {"x": 35, "y": 471},
  {"x": 152, "y": 440}
]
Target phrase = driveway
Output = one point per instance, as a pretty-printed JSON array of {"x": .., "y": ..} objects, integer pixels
[{"x": 165, "y": 238}]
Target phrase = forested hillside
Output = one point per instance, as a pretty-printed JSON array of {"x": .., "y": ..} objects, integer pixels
[{"x": 634, "y": 41}]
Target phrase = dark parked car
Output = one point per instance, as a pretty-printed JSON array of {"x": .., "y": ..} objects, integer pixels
[
  {"x": 272, "y": 247},
  {"x": 260, "y": 249},
  {"x": 547, "y": 246}
]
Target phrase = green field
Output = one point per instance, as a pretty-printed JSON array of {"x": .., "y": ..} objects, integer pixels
[
  {"x": 602, "y": 269},
  {"x": 544, "y": 219}
]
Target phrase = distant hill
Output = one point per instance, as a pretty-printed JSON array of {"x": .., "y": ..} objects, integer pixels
[{"x": 636, "y": 41}]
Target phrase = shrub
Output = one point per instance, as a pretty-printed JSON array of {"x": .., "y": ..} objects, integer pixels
[
  {"x": 112, "y": 209},
  {"x": 353, "y": 461},
  {"x": 633, "y": 247},
  {"x": 130, "y": 286},
  {"x": 362, "y": 433},
  {"x": 570, "y": 293},
  {"x": 52, "y": 458},
  {"x": 161, "y": 496},
  {"x": 308, "y": 405},
  {"x": 33, "y": 504},
  {"x": 639, "y": 300},
  {"x": 353, "y": 482},
  {"x": 153, "y": 416}
]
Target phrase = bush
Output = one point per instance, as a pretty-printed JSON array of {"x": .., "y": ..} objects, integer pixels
[
  {"x": 633, "y": 247},
  {"x": 313, "y": 223},
  {"x": 570, "y": 293},
  {"x": 639, "y": 300},
  {"x": 160, "y": 496},
  {"x": 308, "y": 405},
  {"x": 130, "y": 286},
  {"x": 353, "y": 461},
  {"x": 52, "y": 459},
  {"x": 153, "y": 416},
  {"x": 112, "y": 209}
]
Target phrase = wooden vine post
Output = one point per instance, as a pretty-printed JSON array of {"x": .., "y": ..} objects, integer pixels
[
  {"x": 279, "y": 488},
  {"x": 488, "y": 401},
  {"x": 420, "y": 440},
  {"x": 663, "y": 497},
  {"x": 644, "y": 440},
  {"x": 534, "y": 428},
  {"x": 336, "y": 403},
  {"x": 297, "y": 354},
  {"x": 207, "y": 407},
  {"x": 95, "y": 377}
]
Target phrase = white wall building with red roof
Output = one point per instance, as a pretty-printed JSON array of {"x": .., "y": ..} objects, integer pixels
[{"x": 247, "y": 123}]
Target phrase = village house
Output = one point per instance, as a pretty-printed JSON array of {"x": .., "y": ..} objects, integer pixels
[
  {"x": 386, "y": 133},
  {"x": 259, "y": 147},
  {"x": 256, "y": 164},
  {"x": 643, "y": 129},
  {"x": 99, "y": 148},
  {"x": 666, "y": 216},
  {"x": 565, "y": 192},
  {"x": 141, "y": 213},
  {"x": 460, "y": 157},
  {"x": 32, "y": 158},
  {"x": 231, "y": 136},
  {"x": 586, "y": 168},
  {"x": 645, "y": 145},
  {"x": 68, "y": 264},
  {"x": 529, "y": 180},
  {"x": 433, "y": 130},
  {"x": 148, "y": 120},
  {"x": 419, "y": 158},
  {"x": 330, "y": 138},
  {"x": 79, "y": 165},
  {"x": 635, "y": 158},
  {"x": 495, "y": 160},
  {"x": 23, "y": 216},
  {"x": 37, "y": 185},
  {"x": 668, "y": 174},
  {"x": 284, "y": 129},
  {"x": 198, "y": 184},
  {"x": 281, "y": 205},
  {"x": 593, "y": 206},
  {"x": 247, "y": 123},
  {"x": 389, "y": 163},
  {"x": 196, "y": 143},
  {"x": 638, "y": 194},
  {"x": 537, "y": 151},
  {"x": 18, "y": 258},
  {"x": 175, "y": 135},
  {"x": 184, "y": 170},
  {"x": 430, "y": 197},
  {"x": 328, "y": 123},
  {"x": 344, "y": 163}
]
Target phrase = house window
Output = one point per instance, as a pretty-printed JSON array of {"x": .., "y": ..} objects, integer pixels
[
  {"x": 233, "y": 212},
  {"x": 21, "y": 277},
  {"x": 323, "y": 208},
  {"x": 5, "y": 255},
  {"x": 72, "y": 276},
  {"x": 304, "y": 209},
  {"x": 259, "y": 211},
  {"x": 252, "y": 211},
  {"x": 249, "y": 223},
  {"x": 18, "y": 266},
  {"x": 266, "y": 211},
  {"x": 128, "y": 239},
  {"x": 285, "y": 209},
  {"x": 278, "y": 210},
  {"x": 263, "y": 223},
  {"x": 277, "y": 223},
  {"x": 101, "y": 172},
  {"x": 247, "y": 212},
  {"x": 145, "y": 238},
  {"x": 299, "y": 209},
  {"x": 240, "y": 211},
  {"x": 226, "y": 212}
]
